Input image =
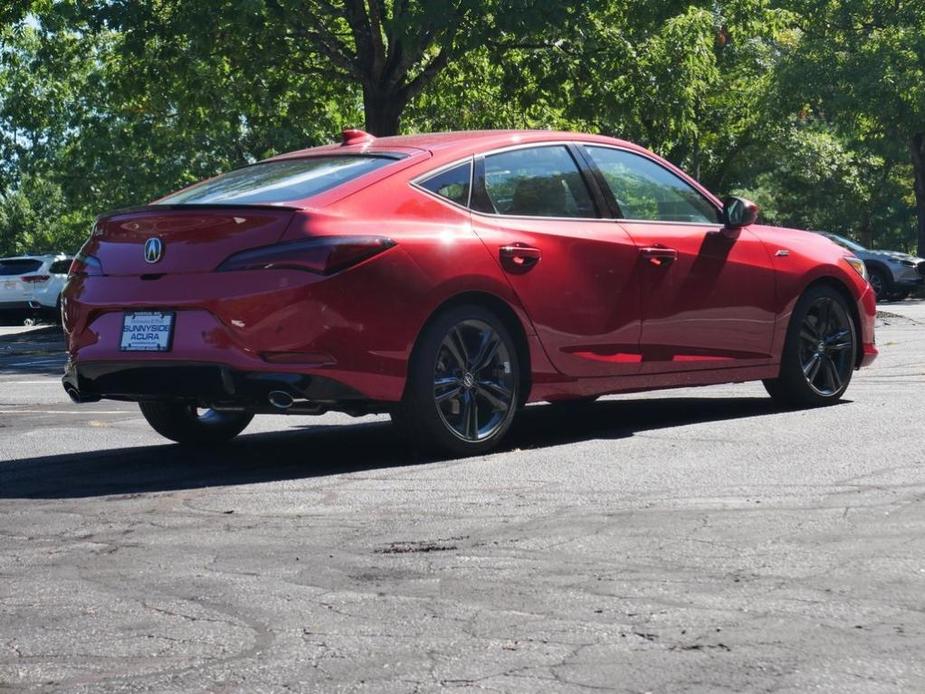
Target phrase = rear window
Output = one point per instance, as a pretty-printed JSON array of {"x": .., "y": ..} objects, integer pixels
[
  {"x": 18, "y": 267},
  {"x": 278, "y": 181},
  {"x": 60, "y": 267},
  {"x": 452, "y": 184}
]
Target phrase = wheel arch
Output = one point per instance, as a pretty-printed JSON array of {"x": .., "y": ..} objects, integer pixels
[
  {"x": 508, "y": 317},
  {"x": 842, "y": 288}
]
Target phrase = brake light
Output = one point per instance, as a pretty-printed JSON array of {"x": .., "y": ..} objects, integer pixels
[
  {"x": 322, "y": 255},
  {"x": 85, "y": 266},
  {"x": 35, "y": 279}
]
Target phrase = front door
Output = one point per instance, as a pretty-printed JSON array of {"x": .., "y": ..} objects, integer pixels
[{"x": 707, "y": 294}]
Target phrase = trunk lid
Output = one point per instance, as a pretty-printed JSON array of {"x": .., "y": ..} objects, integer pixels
[{"x": 182, "y": 239}]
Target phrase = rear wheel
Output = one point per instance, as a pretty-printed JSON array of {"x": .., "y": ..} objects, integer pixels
[
  {"x": 819, "y": 353},
  {"x": 463, "y": 384},
  {"x": 188, "y": 424}
]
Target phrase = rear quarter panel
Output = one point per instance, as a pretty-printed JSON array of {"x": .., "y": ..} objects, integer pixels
[{"x": 438, "y": 257}]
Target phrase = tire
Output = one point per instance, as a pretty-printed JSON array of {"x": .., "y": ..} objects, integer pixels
[
  {"x": 463, "y": 384},
  {"x": 183, "y": 423},
  {"x": 820, "y": 351},
  {"x": 881, "y": 283}
]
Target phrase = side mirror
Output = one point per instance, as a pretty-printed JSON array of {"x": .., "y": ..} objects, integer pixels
[{"x": 738, "y": 213}]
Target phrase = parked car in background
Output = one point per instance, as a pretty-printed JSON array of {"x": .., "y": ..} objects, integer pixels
[
  {"x": 449, "y": 279},
  {"x": 33, "y": 283},
  {"x": 892, "y": 274}
]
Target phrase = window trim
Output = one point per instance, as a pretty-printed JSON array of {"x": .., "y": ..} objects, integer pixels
[
  {"x": 612, "y": 202},
  {"x": 478, "y": 184},
  {"x": 418, "y": 181}
]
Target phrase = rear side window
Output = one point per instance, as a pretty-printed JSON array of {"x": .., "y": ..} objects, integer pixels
[
  {"x": 60, "y": 267},
  {"x": 644, "y": 190},
  {"x": 452, "y": 184},
  {"x": 18, "y": 267},
  {"x": 278, "y": 181},
  {"x": 537, "y": 182}
]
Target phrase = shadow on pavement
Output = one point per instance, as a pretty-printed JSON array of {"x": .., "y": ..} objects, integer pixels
[
  {"x": 321, "y": 450},
  {"x": 38, "y": 350}
]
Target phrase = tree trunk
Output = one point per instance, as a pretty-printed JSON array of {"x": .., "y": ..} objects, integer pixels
[
  {"x": 918, "y": 167},
  {"x": 382, "y": 111}
]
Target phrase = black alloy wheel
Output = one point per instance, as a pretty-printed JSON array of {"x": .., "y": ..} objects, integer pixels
[
  {"x": 463, "y": 384},
  {"x": 473, "y": 383},
  {"x": 820, "y": 352},
  {"x": 826, "y": 346}
]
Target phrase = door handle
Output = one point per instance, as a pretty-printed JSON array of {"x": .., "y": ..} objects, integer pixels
[
  {"x": 519, "y": 256},
  {"x": 659, "y": 255}
]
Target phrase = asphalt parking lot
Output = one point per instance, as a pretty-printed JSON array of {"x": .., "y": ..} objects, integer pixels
[{"x": 682, "y": 541}]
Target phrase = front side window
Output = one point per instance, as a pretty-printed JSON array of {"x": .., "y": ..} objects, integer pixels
[
  {"x": 452, "y": 184},
  {"x": 537, "y": 182},
  {"x": 644, "y": 190},
  {"x": 284, "y": 180}
]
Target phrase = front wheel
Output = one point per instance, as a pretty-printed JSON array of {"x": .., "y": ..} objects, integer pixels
[
  {"x": 188, "y": 424},
  {"x": 820, "y": 351},
  {"x": 881, "y": 284},
  {"x": 463, "y": 384}
]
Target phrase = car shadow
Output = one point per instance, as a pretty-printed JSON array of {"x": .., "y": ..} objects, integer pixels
[{"x": 323, "y": 450}]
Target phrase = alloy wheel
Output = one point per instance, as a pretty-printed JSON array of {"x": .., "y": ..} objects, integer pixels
[
  {"x": 826, "y": 346},
  {"x": 474, "y": 387}
]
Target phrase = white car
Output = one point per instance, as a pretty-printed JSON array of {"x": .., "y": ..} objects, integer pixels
[{"x": 33, "y": 282}]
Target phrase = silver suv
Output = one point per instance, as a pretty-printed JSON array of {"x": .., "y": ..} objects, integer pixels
[{"x": 893, "y": 275}]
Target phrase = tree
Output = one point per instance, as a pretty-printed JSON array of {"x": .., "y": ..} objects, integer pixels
[
  {"x": 390, "y": 50},
  {"x": 861, "y": 63}
]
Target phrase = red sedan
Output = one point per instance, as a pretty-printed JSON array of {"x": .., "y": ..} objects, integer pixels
[{"x": 449, "y": 279}]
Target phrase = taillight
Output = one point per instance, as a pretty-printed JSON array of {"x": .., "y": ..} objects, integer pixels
[
  {"x": 323, "y": 255},
  {"x": 85, "y": 266},
  {"x": 35, "y": 279}
]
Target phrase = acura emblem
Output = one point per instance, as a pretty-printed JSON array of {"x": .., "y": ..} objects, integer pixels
[{"x": 154, "y": 249}]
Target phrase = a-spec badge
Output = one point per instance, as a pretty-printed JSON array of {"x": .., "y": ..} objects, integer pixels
[{"x": 154, "y": 250}]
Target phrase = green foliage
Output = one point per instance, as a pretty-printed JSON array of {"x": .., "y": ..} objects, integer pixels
[
  {"x": 810, "y": 107},
  {"x": 35, "y": 217}
]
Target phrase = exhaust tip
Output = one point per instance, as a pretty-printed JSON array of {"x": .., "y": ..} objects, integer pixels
[
  {"x": 280, "y": 399},
  {"x": 79, "y": 399}
]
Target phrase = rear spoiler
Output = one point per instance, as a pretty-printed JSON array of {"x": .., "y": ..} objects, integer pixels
[{"x": 193, "y": 206}]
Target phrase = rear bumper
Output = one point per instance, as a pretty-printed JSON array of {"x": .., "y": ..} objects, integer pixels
[
  {"x": 15, "y": 305},
  {"x": 30, "y": 305},
  {"x": 355, "y": 329},
  {"x": 205, "y": 383}
]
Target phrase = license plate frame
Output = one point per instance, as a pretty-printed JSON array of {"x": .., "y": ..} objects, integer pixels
[{"x": 159, "y": 338}]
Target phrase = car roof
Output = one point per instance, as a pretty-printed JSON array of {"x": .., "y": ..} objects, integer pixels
[{"x": 453, "y": 144}]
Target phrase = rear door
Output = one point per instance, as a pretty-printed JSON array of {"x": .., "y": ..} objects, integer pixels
[
  {"x": 707, "y": 295},
  {"x": 538, "y": 212}
]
